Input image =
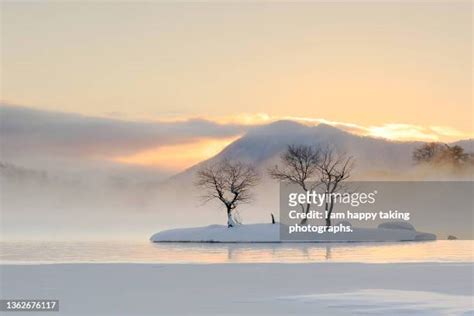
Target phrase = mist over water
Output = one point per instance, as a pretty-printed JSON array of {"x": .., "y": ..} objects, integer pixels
[
  {"x": 47, "y": 196},
  {"x": 115, "y": 208}
]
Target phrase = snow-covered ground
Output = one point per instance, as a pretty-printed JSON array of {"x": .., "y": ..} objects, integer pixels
[
  {"x": 246, "y": 289},
  {"x": 388, "y": 232}
]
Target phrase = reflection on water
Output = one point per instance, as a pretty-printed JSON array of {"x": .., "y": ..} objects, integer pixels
[{"x": 138, "y": 252}]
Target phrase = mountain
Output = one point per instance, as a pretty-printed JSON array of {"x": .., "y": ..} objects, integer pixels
[
  {"x": 467, "y": 144},
  {"x": 262, "y": 147}
]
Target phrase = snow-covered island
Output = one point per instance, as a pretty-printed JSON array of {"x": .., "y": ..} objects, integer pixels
[{"x": 270, "y": 233}]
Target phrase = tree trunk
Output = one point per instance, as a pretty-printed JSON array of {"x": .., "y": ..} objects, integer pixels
[
  {"x": 230, "y": 220},
  {"x": 331, "y": 206},
  {"x": 305, "y": 220}
]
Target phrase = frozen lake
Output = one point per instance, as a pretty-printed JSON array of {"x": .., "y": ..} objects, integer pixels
[{"x": 146, "y": 252}]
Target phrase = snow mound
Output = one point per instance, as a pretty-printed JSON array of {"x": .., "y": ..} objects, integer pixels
[
  {"x": 266, "y": 233},
  {"x": 420, "y": 236},
  {"x": 221, "y": 233},
  {"x": 407, "y": 226},
  {"x": 397, "y": 225}
]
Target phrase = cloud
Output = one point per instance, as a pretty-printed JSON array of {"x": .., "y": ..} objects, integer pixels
[
  {"x": 177, "y": 157},
  {"x": 28, "y": 131},
  {"x": 390, "y": 131}
]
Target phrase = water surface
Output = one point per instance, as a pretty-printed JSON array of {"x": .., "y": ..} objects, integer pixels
[{"x": 147, "y": 252}]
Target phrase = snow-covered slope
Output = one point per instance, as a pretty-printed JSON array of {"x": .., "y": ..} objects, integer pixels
[{"x": 277, "y": 289}]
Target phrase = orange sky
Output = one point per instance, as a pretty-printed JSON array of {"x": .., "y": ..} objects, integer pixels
[
  {"x": 179, "y": 156},
  {"x": 399, "y": 70}
]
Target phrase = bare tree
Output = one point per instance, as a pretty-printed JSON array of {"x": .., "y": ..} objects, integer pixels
[
  {"x": 299, "y": 165},
  {"x": 229, "y": 182},
  {"x": 427, "y": 152},
  {"x": 438, "y": 153},
  {"x": 334, "y": 168}
]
